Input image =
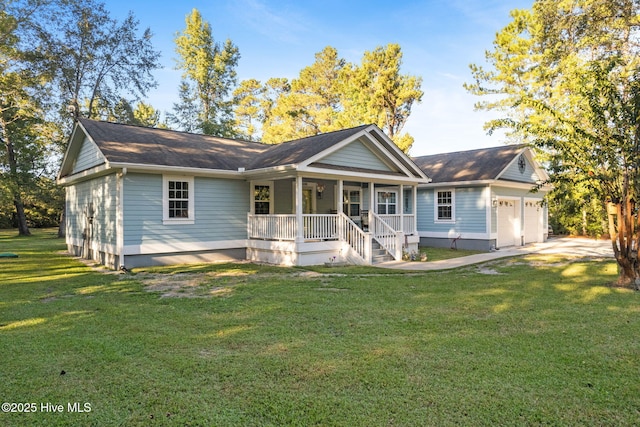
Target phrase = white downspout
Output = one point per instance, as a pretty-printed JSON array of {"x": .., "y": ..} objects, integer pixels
[{"x": 120, "y": 217}]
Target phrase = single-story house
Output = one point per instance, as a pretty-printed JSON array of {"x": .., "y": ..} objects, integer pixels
[
  {"x": 482, "y": 199},
  {"x": 140, "y": 196}
]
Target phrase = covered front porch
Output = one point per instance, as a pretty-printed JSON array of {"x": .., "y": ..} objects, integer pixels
[{"x": 309, "y": 220}]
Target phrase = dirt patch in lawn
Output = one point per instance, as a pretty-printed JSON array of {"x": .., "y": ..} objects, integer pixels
[
  {"x": 210, "y": 284},
  {"x": 191, "y": 285}
]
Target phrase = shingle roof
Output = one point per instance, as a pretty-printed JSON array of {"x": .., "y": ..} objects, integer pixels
[
  {"x": 296, "y": 151},
  {"x": 139, "y": 145},
  {"x": 473, "y": 165}
]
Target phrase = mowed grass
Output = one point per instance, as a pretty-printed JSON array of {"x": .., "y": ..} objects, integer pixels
[{"x": 523, "y": 341}]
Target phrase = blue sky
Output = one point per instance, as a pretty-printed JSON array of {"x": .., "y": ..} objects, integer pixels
[{"x": 439, "y": 39}]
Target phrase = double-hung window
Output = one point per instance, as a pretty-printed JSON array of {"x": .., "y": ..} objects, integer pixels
[
  {"x": 445, "y": 206},
  {"x": 178, "y": 200},
  {"x": 387, "y": 202},
  {"x": 263, "y": 198}
]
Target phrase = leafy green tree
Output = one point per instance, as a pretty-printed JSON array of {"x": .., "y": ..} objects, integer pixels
[
  {"x": 331, "y": 94},
  {"x": 311, "y": 103},
  {"x": 566, "y": 76},
  {"x": 140, "y": 114},
  {"x": 186, "y": 111},
  {"x": 380, "y": 94},
  {"x": 95, "y": 58},
  {"x": 210, "y": 66},
  {"x": 59, "y": 57},
  {"x": 22, "y": 127},
  {"x": 145, "y": 115},
  {"x": 248, "y": 109}
]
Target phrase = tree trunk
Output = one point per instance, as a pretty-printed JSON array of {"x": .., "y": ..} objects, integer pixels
[
  {"x": 23, "y": 228},
  {"x": 14, "y": 185},
  {"x": 624, "y": 242},
  {"x": 62, "y": 229}
]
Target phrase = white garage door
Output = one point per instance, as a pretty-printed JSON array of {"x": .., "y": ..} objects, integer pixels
[
  {"x": 532, "y": 222},
  {"x": 507, "y": 230}
]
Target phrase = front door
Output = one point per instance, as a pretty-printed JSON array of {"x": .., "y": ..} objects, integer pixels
[{"x": 352, "y": 202}]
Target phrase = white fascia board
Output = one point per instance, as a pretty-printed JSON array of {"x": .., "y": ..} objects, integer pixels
[
  {"x": 393, "y": 147},
  {"x": 458, "y": 184},
  {"x": 94, "y": 172},
  {"x": 267, "y": 173},
  {"x": 75, "y": 144},
  {"x": 519, "y": 185},
  {"x": 176, "y": 170},
  {"x": 366, "y": 133},
  {"x": 365, "y": 176}
]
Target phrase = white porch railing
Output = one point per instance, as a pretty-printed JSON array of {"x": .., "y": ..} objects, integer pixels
[
  {"x": 272, "y": 227},
  {"x": 320, "y": 227},
  {"x": 408, "y": 222},
  {"x": 387, "y": 236},
  {"x": 384, "y": 228},
  {"x": 283, "y": 227}
]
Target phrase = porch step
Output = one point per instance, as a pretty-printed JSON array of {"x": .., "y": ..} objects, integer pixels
[{"x": 379, "y": 254}]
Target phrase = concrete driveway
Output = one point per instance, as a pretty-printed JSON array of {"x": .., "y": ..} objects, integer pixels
[{"x": 568, "y": 246}]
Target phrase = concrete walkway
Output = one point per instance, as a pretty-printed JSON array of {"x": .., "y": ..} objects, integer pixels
[{"x": 569, "y": 246}]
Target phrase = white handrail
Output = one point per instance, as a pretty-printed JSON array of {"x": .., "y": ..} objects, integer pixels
[
  {"x": 388, "y": 238},
  {"x": 359, "y": 240}
]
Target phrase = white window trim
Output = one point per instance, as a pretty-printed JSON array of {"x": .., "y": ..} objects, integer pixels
[
  {"x": 165, "y": 201},
  {"x": 453, "y": 206},
  {"x": 253, "y": 197},
  {"x": 387, "y": 204},
  {"x": 349, "y": 188}
]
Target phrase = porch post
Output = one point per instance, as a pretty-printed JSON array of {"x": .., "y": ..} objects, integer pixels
[
  {"x": 299, "y": 218},
  {"x": 252, "y": 209},
  {"x": 340, "y": 196},
  {"x": 400, "y": 203},
  {"x": 372, "y": 197},
  {"x": 414, "y": 208}
]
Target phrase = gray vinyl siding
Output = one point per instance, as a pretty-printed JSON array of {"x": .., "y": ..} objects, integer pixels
[
  {"x": 88, "y": 157},
  {"x": 220, "y": 211},
  {"x": 356, "y": 155},
  {"x": 470, "y": 211},
  {"x": 513, "y": 172},
  {"x": 101, "y": 192},
  {"x": 283, "y": 196}
]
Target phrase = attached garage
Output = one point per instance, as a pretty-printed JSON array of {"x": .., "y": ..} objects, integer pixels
[
  {"x": 508, "y": 223},
  {"x": 482, "y": 199}
]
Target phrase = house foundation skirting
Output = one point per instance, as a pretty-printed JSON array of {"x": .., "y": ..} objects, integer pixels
[
  {"x": 461, "y": 243},
  {"x": 301, "y": 253},
  {"x": 99, "y": 255},
  {"x": 191, "y": 257}
]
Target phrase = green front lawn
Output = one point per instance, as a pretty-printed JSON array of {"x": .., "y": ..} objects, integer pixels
[{"x": 523, "y": 341}]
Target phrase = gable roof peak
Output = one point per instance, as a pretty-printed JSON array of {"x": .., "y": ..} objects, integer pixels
[{"x": 470, "y": 165}]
